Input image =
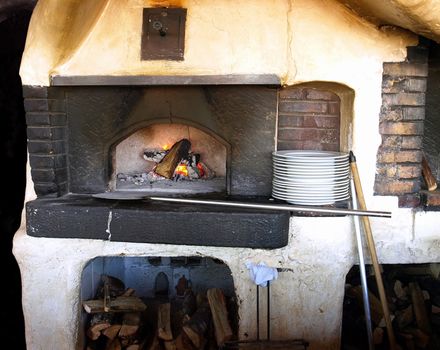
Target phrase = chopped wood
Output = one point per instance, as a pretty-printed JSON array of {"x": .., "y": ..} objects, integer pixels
[
  {"x": 189, "y": 305},
  {"x": 114, "y": 344},
  {"x": 419, "y": 306},
  {"x": 128, "y": 330},
  {"x": 404, "y": 317},
  {"x": 94, "y": 331},
  {"x": 409, "y": 341},
  {"x": 378, "y": 336},
  {"x": 128, "y": 292},
  {"x": 400, "y": 291},
  {"x": 183, "y": 342},
  {"x": 133, "y": 347},
  {"x": 421, "y": 339},
  {"x": 430, "y": 180},
  {"x": 163, "y": 322},
  {"x": 120, "y": 304},
  {"x": 170, "y": 345},
  {"x": 131, "y": 318},
  {"x": 217, "y": 303},
  {"x": 112, "y": 331},
  {"x": 376, "y": 310},
  {"x": 168, "y": 164},
  {"x": 155, "y": 344},
  {"x": 198, "y": 325}
]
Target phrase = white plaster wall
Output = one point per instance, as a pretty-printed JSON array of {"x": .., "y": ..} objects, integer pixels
[{"x": 302, "y": 40}]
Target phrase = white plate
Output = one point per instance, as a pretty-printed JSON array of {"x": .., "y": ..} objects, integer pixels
[
  {"x": 310, "y": 166},
  {"x": 314, "y": 192},
  {"x": 304, "y": 180},
  {"x": 309, "y": 196},
  {"x": 310, "y": 201},
  {"x": 311, "y": 189},
  {"x": 310, "y": 154},
  {"x": 308, "y": 173},
  {"x": 325, "y": 194}
]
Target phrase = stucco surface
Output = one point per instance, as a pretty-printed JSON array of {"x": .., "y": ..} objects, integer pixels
[{"x": 300, "y": 41}]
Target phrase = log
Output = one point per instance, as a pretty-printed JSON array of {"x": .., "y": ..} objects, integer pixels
[
  {"x": 183, "y": 342},
  {"x": 133, "y": 347},
  {"x": 128, "y": 292},
  {"x": 114, "y": 344},
  {"x": 95, "y": 330},
  {"x": 419, "y": 307},
  {"x": 155, "y": 344},
  {"x": 168, "y": 164},
  {"x": 170, "y": 345},
  {"x": 128, "y": 330},
  {"x": 217, "y": 303},
  {"x": 163, "y": 322},
  {"x": 198, "y": 325},
  {"x": 112, "y": 331},
  {"x": 120, "y": 304},
  {"x": 130, "y": 324},
  {"x": 376, "y": 310},
  {"x": 430, "y": 180}
]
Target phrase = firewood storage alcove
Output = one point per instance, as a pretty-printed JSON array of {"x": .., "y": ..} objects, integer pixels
[{"x": 142, "y": 302}]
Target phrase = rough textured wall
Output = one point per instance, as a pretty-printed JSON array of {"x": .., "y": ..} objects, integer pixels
[{"x": 401, "y": 126}]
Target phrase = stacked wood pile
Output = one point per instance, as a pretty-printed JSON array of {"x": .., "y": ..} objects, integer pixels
[
  {"x": 119, "y": 320},
  {"x": 413, "y": 294}
]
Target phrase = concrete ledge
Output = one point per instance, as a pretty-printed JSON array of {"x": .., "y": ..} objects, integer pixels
[{"x": 82, "y": 216}]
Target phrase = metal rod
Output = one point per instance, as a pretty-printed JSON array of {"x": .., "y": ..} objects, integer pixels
[
  {"x": 363, "y": 273},
  {"x": 268, "y": 311},
  {"x": 282, "y": 207},
  {"x": 258, "y": 312},
  {"x": 373, "y": 254}
]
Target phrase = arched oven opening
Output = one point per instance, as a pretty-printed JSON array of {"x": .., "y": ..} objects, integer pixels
[{"x": 171, "y": 158}]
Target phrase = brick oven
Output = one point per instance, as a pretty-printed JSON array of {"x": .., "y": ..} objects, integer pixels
[{"x": 241, "y": 81}]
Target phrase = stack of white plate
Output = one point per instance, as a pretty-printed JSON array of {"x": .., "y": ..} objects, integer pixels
[{"x": 310, "y": 177}]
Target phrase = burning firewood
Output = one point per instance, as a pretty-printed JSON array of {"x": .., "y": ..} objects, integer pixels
[{"x": 168, "y": 164}]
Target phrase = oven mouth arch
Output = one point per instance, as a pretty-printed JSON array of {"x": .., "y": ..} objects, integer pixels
[{"x": 174, "y": 121}]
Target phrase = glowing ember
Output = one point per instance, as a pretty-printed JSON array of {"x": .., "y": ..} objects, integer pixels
[
  {"x": 181, "y": 169},
  {"x": 201, "y": 170},
  {"x": 166, "y": 147}
]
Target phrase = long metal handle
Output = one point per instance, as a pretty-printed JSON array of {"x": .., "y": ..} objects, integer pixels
[
  {"x": 282, "y": 207},
  {"x": 372, "y": 248},
  {"x": 357, "y": 228}
]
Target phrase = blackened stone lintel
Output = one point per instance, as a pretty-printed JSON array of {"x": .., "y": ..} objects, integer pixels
[
  {"x": 149, "y": 80},
  {"x": 81, "y": 216}
]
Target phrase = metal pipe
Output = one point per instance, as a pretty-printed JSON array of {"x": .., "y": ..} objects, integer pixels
[
  {"x": 282, "y": 207},
  {"x": 363, "y": 273}
]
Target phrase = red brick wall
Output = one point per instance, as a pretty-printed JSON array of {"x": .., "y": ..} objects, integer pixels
[
  {"x": 308, "y": 118},
  {"x": 401, "y": 126}
]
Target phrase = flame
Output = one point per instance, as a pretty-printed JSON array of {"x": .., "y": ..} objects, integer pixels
[
  {"x": 166, "y": 147},
  {"x": 182, "y": 169},
  {"x": 201, "y": 170}
]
